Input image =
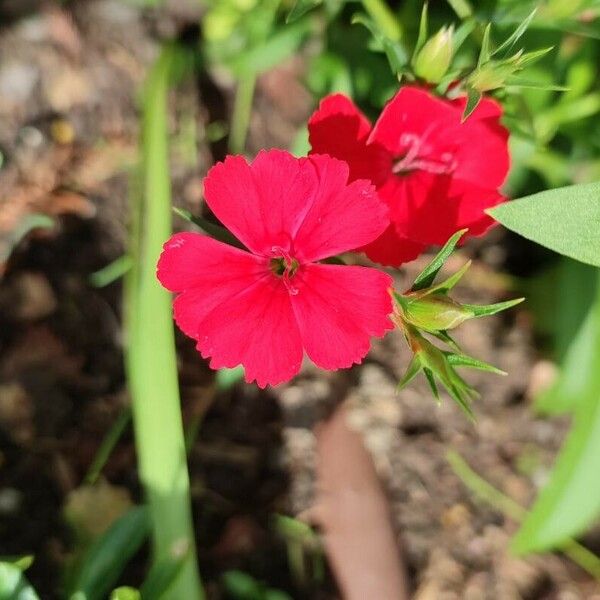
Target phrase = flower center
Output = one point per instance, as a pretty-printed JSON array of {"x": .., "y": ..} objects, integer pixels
[
  {"x": 417, "y": 157},
  {"x": 285, "y": 266}
]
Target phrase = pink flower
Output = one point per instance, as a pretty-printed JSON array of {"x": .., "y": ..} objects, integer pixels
[
  {"x": 436, "y": 174},
  {"x": 264, "y": 308}
]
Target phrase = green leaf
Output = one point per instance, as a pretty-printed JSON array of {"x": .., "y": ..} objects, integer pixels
[
  {"x": 125, "y": 593},
  {"x": 111, "y": 272},
  {"x": 300, "y": 8},
  {"x": 445, "y": 286},
  {"x": 576, "y": 372},
  {"x": 163, "y": 574},
  {"x": 461, "y": 34},
  {"x": 427, "y": 276},
  {"x": 14, "y": 585},
  {"x": 462, "y": 8},
  {"x": 108, "y": 556},
  {"x": 570, "y": 502},
  {"x": 21, "y": 562},
  {"x": 413, "y": 369},
  {"x": 473, "y": 99},
  {"x": 517, "y": 33},
  {"x": 486, "y": 310},
  {"x": 394, "y": 51},
  {"x": 274, "y": 50},
  {"x": 485, "y": 52},
  {"x": 215, "y": 231},
  {"x": 227, "y": 378},
  {"x": 422, "y": 38},
  {"x": 462, "y": 360},
  {"x": 566, "y": 220}
]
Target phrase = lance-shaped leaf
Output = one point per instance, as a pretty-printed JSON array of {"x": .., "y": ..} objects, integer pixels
[
  {"x": 427, "y": 276},
  {"x": 462, "y": 360},
  {"x": 516, "y": 34}
]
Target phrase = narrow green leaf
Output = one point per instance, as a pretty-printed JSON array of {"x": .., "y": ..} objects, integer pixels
[
  {"x": 163, "y": 574},
  {"x": 111, "y": 272},
  {"x": 423, "y": 28},
  {"x": 445, "y": 337},
  {"x": 528, "y": 58},
  {"x": 274, "y": 50},
  {"x": 517, "y": 34},
  {"x": 427, "y": 276},
  {"x": 566, "y": 220},
  {"x": 445, "y": 286},
  {"x": 431, "y": 382},
  {"x": 21, "y": 562},
  {"x": 577, "y": 371},
  {"x": 461, "y": 34},
  {"x": 215, "y": 231},
  {"x": 108, "y": 556},
  {"x": 462, "y": 360},
  {"x": 151, "y": 361},
  {"x": 300, "y": 8},
  {"x": 473, "y": 99},
  {"x": 486, "y": 310},
  {"x": 485, "y": 52},
  {"x": 462, "y": 8},
  {"x": 570, "y": 502},
  {"x": 413, "y": 369},
  {"x": 14, "y": 585}
]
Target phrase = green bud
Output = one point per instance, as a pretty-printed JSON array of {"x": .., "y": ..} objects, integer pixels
[
  {"x": 434, "y": 58},
  {"x": 434, "y": 312},
  {"x": 490, "y": 76}
]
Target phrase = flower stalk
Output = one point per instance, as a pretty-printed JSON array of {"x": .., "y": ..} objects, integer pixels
[{"x": 150, "y": 356}]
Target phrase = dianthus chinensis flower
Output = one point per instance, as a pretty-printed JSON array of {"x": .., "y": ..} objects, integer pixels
[
  {"x": 436, "y": 173},
  {"x": 265, "y": 307}
]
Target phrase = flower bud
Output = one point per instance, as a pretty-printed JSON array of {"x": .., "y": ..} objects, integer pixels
[
  {"x": 433, "y": 60},
  {"x": 434, "y": 312},
  {"x": 490, "y": 76}
]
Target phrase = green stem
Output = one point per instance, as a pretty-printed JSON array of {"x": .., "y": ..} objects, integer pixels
[
  {"x": 242, "y": 109},
  {"x": 150, "y": 357},
  {"x": 381, "y": 13}
]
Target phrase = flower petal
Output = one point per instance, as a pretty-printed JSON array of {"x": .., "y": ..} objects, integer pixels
[
  {"x": 479, "y": 145},
  {"x": 428, "y": 209},
  {"x": 392, "y": 250},
  {"x": 338, "y": 310},
  {"x": 341, "y": 217},
  {"x": 263, "y": 203},
  {"x": 257, "y": 329},
  {"x": 207, "y": 273},
  {"x": 339, "y": 129}
]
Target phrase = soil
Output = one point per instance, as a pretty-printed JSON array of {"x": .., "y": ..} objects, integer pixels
[{"x": 69, "y": 76}]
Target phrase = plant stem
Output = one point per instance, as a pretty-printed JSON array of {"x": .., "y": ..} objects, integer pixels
[
  {"x": 108, "y": 444},
  {"x": 578, "y": 553},
  {"x": 150, "y": 357},
  {"x": 242, "y": 109},
  {"x": 381, "y": 13}
]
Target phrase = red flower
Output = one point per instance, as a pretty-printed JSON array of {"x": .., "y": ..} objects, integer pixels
[
  {"x": 436, "y": 174},
  {"x": 266, "y": 307}
]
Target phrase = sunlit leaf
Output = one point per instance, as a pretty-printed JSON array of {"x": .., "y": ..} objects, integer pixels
[
  {"x": 570, "y": 502},
  {"x": 108, "y": 556},
  {"x": 517, "y": 33},
  {"x": 14, "y": 585},
  {"x": 300, "y": 8},
  {"x": 566, "y": 220}
]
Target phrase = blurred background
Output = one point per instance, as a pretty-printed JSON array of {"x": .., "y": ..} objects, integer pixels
[{"x": 72, "y": 80}]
